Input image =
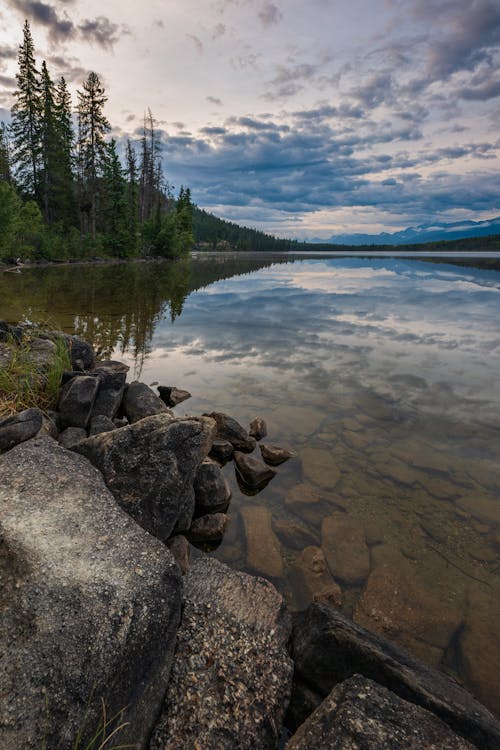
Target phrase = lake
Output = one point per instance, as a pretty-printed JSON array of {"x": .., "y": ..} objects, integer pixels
[{"x": 380, "y": 373}]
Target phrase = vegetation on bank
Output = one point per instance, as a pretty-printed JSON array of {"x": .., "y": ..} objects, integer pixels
[{"x": 67, "y": 195}]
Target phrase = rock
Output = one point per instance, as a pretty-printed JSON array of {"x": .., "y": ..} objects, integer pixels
[
  {"x": 231, "y": 677},
  {"x": 99, "y": 424},
  {"x": 253, "y": 472},
  {"x": 49, "y": 427},
  {"x": 172, "y": 396},
  {"x": 274, "y": 455},
  {"x": 140, "y": 401},
  {"x": 258, "y": 428},
  {"x": 263, "y": 547},
  {"x": 90, "y": 605},
  {"x": 484, "y": 507},
  {"x": 208, "y": 529},
  {"x": 354, "y": 440},
  {"x": 112, "y": 376},
  {"x": 211, "y": 489},
  {"x": 358, "y": 713},
  {"x": 81, "y": 353},
  {"x": 180, "y": 549},
  {"x": 229, "y": 429},
  {"x": 319, "y": 467},
  {"x": 395, "y": 604},
  {"x": 311, "y": 580},
  {"x": 19, "y": 427},
  {"x": 222, "y": 451},
  {"x": 77, "y": 400},
  {"x": 41, "y": 353},
  {"x": 293, "y": 534},
  {"x": 345, "y": 548},
  {"x": 150, "y": 467},
  {"x": 5, "y": 333},
  {"x": 69, "y": 437},
  {"x": 327, "y": 648},
  {"x": 307, "y": 503},
  {"x": 479, "y": 649}
]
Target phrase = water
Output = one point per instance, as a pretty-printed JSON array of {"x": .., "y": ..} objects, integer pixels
[{"x": 382, "y": 374}]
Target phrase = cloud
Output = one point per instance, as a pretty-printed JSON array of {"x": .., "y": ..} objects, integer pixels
[
  {"x": 196, "y": 41},
  {"x": 8, "y": 82},
  {"x": 214, "y": 100},
  {"x": 60, "y": 28},
  {"x": 218, "y": 31},
  {"x": 270, "y": 14},
  {"x": 101, "y": 31}
]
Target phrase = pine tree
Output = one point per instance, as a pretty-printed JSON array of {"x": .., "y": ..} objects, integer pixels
[
  {"x": 151, "y": 176},
  {"x": 92, "y": 127},
  {"x": 114, "y": 203},
  {"x": 26, "y": 119},
  {"x": 132, "y": 196},
  {"x": 64, "y": 191},
  {"x": 49, "y": 139},
  {"x": 5, "y": 175},
  {"x": 184, "y": 221}
]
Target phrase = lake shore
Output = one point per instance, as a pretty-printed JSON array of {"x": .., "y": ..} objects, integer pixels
[{"x": 99, "y": 504}]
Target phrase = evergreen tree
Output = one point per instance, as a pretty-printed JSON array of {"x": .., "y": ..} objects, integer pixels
[
  {"x": 4, "y": 154},
  {"x": 26, "y": 117},
  {"x": 92, "y": 127},
  {"x": 64, "y": 190},
  {"x": 49, "y": 145},
  {"x": 184, "y": 221},
  {"x": 114, "y": 200},
  {"x": 151, "y": 177},
  {"x": 132, "y": 196}
]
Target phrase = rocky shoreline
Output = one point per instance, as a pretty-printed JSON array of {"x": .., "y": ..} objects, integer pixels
[{"x": 101, "y": 605}]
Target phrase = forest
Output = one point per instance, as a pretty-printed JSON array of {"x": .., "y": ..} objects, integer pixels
[{"x": 64, "y": 192}]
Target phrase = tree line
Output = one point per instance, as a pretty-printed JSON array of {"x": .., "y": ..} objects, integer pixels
[{"x": 64, "y": 192}]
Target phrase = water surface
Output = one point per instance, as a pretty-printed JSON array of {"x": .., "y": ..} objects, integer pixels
[{"x": 382, "y": 374}]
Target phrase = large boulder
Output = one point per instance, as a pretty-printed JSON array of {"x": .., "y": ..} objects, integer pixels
[
  {"x": 81, "y": 353},
  {"x": 90, "y": 605},
  {"x": 327, "y": 648},
  {"x": 112, "y": 376},
  {"x": 19, "y": 427},
  {"x": 358, "y": 713},
  {"x": 232, "y": 675},
  {"x": 140, "y": 401},
  {"x": 76, "y": 401},
  {"x": 231, "y": 430},
  {"x": 150, "y": 467},
  {"x": 211, "y": 489}
]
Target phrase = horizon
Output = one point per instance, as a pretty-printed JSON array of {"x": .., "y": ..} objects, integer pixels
[{"x": 372, "y": 119}]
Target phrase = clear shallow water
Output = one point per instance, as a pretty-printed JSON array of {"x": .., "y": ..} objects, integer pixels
[{"x": 381, "y": 374}]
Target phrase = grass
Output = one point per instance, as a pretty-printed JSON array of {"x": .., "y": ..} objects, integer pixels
[
  {"x": 106, "y": 731},
  {"x": 23, "y": 384}
]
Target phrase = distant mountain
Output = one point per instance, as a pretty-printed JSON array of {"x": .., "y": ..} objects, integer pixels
[{"x": 423, "y": 233}]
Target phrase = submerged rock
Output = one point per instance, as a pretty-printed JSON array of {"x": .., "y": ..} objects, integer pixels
[
  {"x": 231, "y": 677},
  {"x": 90, "y": 605},
  {"x": 262, "y": 545},
  {"x": 312, "y": 581},
  {"x": 344, "y": 545},
  {"x": 293, "y": 534},
  {"x": 150, "y": 468},
  {"x": 231, "y": 430},
  {"x": 358, "y": 713}
]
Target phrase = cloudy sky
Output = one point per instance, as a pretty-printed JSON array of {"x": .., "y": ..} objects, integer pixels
[{"x": 306, "y": 119}]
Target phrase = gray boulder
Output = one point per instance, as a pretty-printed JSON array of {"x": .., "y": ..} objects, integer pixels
[
  {"x": 211, "y": 489},
  {"x": 112, "y": 376},
  {"x": 69, "y": 437},
  {"x": 140, "y": 401},
  {"x": 231, "y": 430},
  {"x": 172, "y": 396},
  {"x": 19, "y": 427},
  {"x": 100, "y": 423},
  {"x": 76, "y": 401},
  {"x": 231, "y": 677},
  {"x": 208, "y": 529},
  {"x": 327, "y": 648},
  {"x": 90, "y": 605},
  {"x": 252, "y": 471},
  {"x": 258, "y": 428},
  {"x": 358, "y": 713},
  {"x": 81, "y": 353},
  {"x": 150, "y": 466}
]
